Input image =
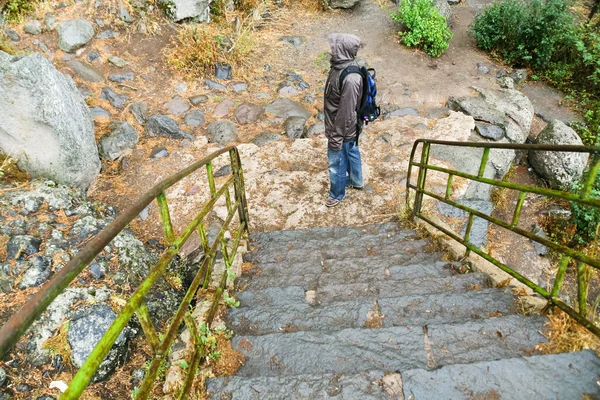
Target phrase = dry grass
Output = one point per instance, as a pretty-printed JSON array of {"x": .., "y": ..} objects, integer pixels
[
  {"x": 10, "y": 172},
  {"x": 564, "y": 334},
  {"x": 58, "y": 344}
]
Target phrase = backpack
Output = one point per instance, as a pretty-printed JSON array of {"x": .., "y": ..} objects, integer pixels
[{"x": 368, "y": 110}]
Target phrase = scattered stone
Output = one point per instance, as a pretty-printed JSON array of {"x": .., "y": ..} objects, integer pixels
[
  {"x": 214, "y": 85},
  {"x": 519, "y": 76},
  {"x": 540, "y": 249},
  {"x": 343, "y": 3},
  {"x": 501, "y": 74},
  {"x": 177, "y": 107},
  {"x": 86, "y": 71},
  {"x": 74, "y": 34},
  {"x": 223, "y": 71},
  {"x": 139, "y": 111},
  {"x": 484, "y": 69},
  {"x": 181, "y": 88},
  {"x": 222, "y": 132},
  {"x": 12, "y": 34},
  {"x": 288, "y": 90},
  {"x": 118, "y": 141},
  {"x": 33, "y": 28},
  {"x": 402, "y": 112},
  {"x": 315, "y": 129},
  {"x": 247, "y": 113},
  {"x": 194, "y": 118},
  {"x": 124, "y": 14},
  {"x": 115, "y": 99},
  {"x": 160, "y": 125},
  {"x": 368, "y": 188},
  {"x": 178, "y": 10},
  {"x": 320, "y": 116},
  {"x": 107, "y": 34},
  {"x": 49, "y": 21},
  {"x": 285, "y": 108},
  {"x": 138, "y": 375},
  {"x": 99, "y": 112},
  {"x": 294, "y": 127},
  {"x": 47, "y": 108},
  {"x": 506, "y": 82},
  {"x": 85, "y": 331},
  {"x": 159, "y": 152},
  {"x": 2, "y": 376},
  {"x": 124, "y": 77},
  {"x": 118, "y": 62},
  {"x": 561, "y": 169},
  {"x": 223, "y": 171},
  {"x": 97, "y": 270},
  {"x": 23, "y": 388},
  {"x": 21, "y": 245},
  {"x": 223, "y": 108},
  {"x": 38, "y": 271},
  {"x": 93, "y": 56},
  {"x": 238, "y": 86},
  {"x": 266, "y": 138},
  {"x": 489, "y": 131},
  {"x": 295, "y": 41},
  {"x": 198, "y": 99}
]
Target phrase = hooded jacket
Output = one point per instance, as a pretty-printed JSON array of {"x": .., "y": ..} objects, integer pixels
[{"x": 341, "y": 103}]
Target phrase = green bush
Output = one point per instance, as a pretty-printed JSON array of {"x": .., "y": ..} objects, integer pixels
[
  {"x": 585, "y": 217},
  {"x": 14, "y": 10},
  {"x": 426, "y": 27}
]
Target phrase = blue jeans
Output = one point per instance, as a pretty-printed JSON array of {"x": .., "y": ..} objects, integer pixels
[{"x": 344, "y": 165}]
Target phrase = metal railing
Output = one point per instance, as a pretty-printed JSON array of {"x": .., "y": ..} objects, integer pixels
[
  {"x": 160, "y": 345},
  {"x": 567, "y": 254}
]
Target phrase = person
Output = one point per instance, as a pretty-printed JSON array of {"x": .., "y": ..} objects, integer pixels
[{"x": 341, "y": 121}]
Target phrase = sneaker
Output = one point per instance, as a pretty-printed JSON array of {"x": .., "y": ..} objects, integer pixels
[
  {"x": 354, "y": 187},
  {"x": 332, "y": 202}
]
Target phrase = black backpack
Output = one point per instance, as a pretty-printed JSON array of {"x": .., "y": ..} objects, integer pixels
[{"x": 368, "y": 110}]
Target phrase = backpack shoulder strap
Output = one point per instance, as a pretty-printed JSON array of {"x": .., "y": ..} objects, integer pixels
[{"x": 351, "y": 69}]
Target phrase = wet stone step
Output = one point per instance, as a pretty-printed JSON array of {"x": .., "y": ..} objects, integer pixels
[
  {"x": 345, "y": 351},
  {"x": 556, "y": 376},
  {"x": 369, "y": 385},
  {"x": 333, "y": 272},
  {"x": 400, "y": 311},
  {"x": 373, "y": 290}
]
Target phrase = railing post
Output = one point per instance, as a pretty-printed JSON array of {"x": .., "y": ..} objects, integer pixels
[
  {"x": 165, "y": 216},
  {"x": 238, "y": 185},
  {"x": 422, "y": 178}
]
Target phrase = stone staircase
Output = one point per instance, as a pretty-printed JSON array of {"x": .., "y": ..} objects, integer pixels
[{"x": 372, "y": 313}]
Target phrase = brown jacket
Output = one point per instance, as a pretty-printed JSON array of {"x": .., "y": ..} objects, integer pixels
[{"x": 341, "y": 104}]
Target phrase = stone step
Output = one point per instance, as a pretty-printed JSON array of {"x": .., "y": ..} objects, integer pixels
[
  {"x": 276, "y": 296},
  {"x": 350, "y": 351},
  {"x": 333, "y": 272},
  {"x": 439, "y": 308},
  {"x": 555, "y": 376},
  {"x": 559, "y": 376},
  {"x": 327, "y": 233}
]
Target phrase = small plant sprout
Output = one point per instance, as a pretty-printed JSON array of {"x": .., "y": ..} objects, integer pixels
[{"x": 230, "y": 301}]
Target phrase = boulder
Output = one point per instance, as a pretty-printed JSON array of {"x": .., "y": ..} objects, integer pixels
[
  {"x": 247, "y": 113},
  {"x": 512, "y": 103},
  {"x": 222, "y": 132},
  {"x": 115, "y": 143},
  {"x": 285, "y": 108},
  {"x": 74, "y": 34},
  {"x": 294, "y": 127},
  {"x": 46, "y": 123},
  {"x": 85, "y": 331},
  {"x": 178, "y": 10},
  {"x": 561, "y": 169},
  {"x": 159, "y": 125}
]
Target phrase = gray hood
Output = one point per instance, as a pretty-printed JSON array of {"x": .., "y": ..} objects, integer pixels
[{"x": 343, "y": 48}]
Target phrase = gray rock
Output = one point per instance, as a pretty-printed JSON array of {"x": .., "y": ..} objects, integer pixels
[
  {"x": 124, "y": 77},
  {"x": 315, "y": 129},
  {"x": 285, "y": 108},
  {"x": 138, "y": 375},
  {"x": 38, "y": 271},
  {"x": 139, "y": 111},
  {"x": 295, "y": 41},
  {"x": 506, "y": 82},
  {"x": 512, "y": 103},
  {"x": 222, "y": 132},
  {"x": 177, "y": 107},
  {"x": 97, "y": 270},
  {"x": 117, "y": 100},
  {"x": 2, "y": 376},
  {"x": 214, "y": 85},
  {"x": 177, "y": 10},
  {"x": 159, "y": 152},
  {"x": 519, "y": 76},
  {"x": 21, "y": 245},
  {"x": 118, "y": 141},
  {"x": 223, "y": 71},
  {"x": 51, "y": 130},
  {"x": 33, "y": 28},
  {"x": 342, "y": 3},
  {"x": 160, "y": 125},
  {"x": 86, "y": 71},
  {"x": 118, "y": 62},
  {"x": 92, "y": 56},
  {"x": 85, "y": 331},
  {"x": 561, "y": 169},
  {"x": 198, "y": 99},
  {"x": 238, "y": 86},
  {"x": 12, "y": 34},
  {"x": 294, "y": 127},
  {"x": 444, "y": 8},
  {"x": 223, "y": 171},
  {"x": 402, "y": 112},
  {"x": 540, "y": 249},
  {"x": 181, "y": 88},
  {"x": 247, "y": 113},
  {"x": 49, "y": 21},
  {"x": 124, "y": 14},
  {"x": 98, "y": 111},
  {"x": 309, "y": 98},
  {"x": 266, "y": 138},
  {"x": 107, "y": 34},
  {"x": 489, "y": 131},
  {"x": 194, "y": 118},
  {"x": 223, "y": 108},
  {"x": 479, "y": 109},
  {"x": 484, "y": 69},
  {"x": 23, "y": 388},
  {"x": 74, "y": 34},
  {"x": 288, "y": 90}
]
